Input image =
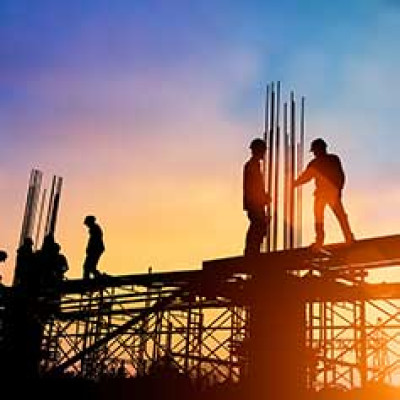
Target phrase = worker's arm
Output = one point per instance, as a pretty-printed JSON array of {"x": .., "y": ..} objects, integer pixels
[{"x": 305, "y": 176}]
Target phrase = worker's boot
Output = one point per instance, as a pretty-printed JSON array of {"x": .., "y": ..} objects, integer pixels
[
  {"x": 319, "y": 236},
  {"x": 347, "y": 233}
]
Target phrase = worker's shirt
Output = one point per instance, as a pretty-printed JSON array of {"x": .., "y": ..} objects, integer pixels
[
  {"x": 328, "y": 174},
  {"x": 254, "y": 196},
  {"x": 95, "y": 244}
]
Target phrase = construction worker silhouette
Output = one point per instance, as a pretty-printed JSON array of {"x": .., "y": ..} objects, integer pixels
[
  {"x": 255, "y": 198},
  {"x": 329, "y": 177},
  {"x": 94, "y": 249},
  {"x": 60, "y": 265},
  {"x": 24, "y": 266}
]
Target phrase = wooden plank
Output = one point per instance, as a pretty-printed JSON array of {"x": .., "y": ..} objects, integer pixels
[{"x": 367, "y": 253}]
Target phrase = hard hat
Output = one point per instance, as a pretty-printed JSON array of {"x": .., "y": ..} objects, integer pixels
[
  {"x": 318, "y": 144},
  {"x": 258, "y": 144},
  {"x": 89, "y": 219}
]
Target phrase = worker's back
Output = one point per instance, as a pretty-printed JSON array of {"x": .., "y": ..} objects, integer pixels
[
  {"x": 328, "y": 173},
  {"x": 253, "y": 186},
  {"x": 95, "y": 244}
]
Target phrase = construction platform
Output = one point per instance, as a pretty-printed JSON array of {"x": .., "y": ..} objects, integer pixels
[
  {"x": 328, "y": 274},
  {"x": 365, "y": 253}
]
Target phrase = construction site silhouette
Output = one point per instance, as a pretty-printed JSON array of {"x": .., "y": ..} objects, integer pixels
[{"x": 283, "y": 321}]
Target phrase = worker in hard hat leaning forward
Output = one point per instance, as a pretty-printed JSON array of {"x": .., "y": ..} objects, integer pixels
[
  {"x": 255, "y": 198},
  {"x": 329, "y": 177}
]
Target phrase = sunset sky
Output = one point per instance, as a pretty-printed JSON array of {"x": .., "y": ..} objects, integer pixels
[{"x": 146, "y": 109}]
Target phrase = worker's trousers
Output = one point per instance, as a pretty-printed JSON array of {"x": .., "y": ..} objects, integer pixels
[
  {"x": 256, "y": 232},
  {"x": 334, "y": 201}
]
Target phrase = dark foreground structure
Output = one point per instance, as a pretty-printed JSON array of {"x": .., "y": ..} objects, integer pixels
[{"x": 283, "y": 324}]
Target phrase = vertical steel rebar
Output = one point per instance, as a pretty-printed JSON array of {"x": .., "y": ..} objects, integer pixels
[
  {"x": 40, "y": 220},
  {"x": 285, "y": 177},
  {"x": 276, "y": 171},
  {"x": 292, "y": 169},
  {"x": 287, "y": 232},
  {"x": 50, "y": 206},
  {"x": 300, "y": 167},
  {"x": 33, "y": 193},
  {"x": 265, "y": 135},
  {"x": 270, "y": 164},
  {"x": 55, "y": 206},
  {"x": 266, "y": 156},
  {"x": 276, "y": 166}
]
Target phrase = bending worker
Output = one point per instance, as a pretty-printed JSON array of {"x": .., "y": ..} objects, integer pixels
[
  {"x": 329, "y": 177},
  {"x": 255, "y": 198}
]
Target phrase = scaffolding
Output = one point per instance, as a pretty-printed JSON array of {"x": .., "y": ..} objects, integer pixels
[
  {"x": 143, "y": 321},
  {"x": 164, "y": 321}
]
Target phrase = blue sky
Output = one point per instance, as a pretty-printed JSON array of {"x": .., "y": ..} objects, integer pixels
[{"x": 146, "y": 109}]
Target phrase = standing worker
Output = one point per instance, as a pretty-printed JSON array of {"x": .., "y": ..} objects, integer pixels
[
  {"x": 329, "y": 177},
  {"x": 94, "y": 249},
  {"x": 255, "y": 198},
  {"x": 25, "y": 264}
]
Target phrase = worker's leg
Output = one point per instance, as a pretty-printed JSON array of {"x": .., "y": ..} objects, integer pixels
[
  {"x": 86, "y": 267},
  {"x": 256, "y": 232},
  {"x": 319, "y": 207},
  {"x": 90, "y": 265},
  {"x": 338, "y": 209}
]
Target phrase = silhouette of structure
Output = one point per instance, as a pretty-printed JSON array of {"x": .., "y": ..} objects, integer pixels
[
  {"x": 283, "y": 322},
  {"x": 32, "y": 224},
  {"x": 24, "y": 308}
]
